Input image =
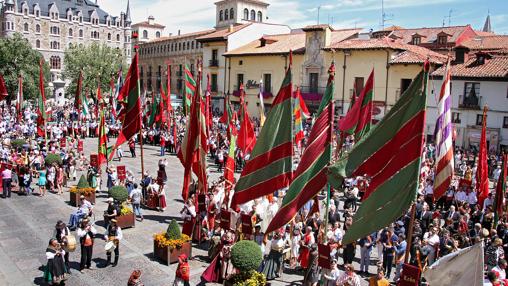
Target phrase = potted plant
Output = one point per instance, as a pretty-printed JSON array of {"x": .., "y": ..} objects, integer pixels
[
  {"x": 52, "y": 159},
  {"x": 83, "y": 188},
  {"x": 246, "y": 256},
  {"x": 168, "y": 245},
  {"x": 126, "y": 217}
]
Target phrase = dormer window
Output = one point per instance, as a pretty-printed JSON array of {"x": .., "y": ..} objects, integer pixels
[
  {"x": 442, "y": 40},
  {"x": 416, "y": 40}
]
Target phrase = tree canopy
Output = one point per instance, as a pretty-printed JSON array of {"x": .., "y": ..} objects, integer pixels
[
  {"x": 98, "y": 63},
  {"x": 17, "y": 57}
]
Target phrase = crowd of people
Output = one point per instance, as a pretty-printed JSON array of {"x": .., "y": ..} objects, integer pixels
[{"x": 442, "y": 226}]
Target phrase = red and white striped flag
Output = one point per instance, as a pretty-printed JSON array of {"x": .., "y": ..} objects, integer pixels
[{"x": 444, "y": 141}]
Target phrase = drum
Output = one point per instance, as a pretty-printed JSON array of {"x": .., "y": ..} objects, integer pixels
[
  {"x": 70, "y": 243},
  {"x": 110, "y": 246}
]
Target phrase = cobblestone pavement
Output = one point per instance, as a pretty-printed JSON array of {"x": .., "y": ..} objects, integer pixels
[{"x": 27, "y": 223}]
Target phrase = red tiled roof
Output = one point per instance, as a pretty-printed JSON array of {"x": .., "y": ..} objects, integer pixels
[
  {"x": 486, "y": 43},
  {"x": 410, "y": 54},
  {"x": 496, "y": 67},
  {"x": 146, "y": 24},
  {"x": 223, "y": 33},
  {"x": 429, "y": 35},
  {"x": 483, "y": 34}
]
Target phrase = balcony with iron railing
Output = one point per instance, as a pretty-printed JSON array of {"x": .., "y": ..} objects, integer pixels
[
  {"x": 470, "y": 102},
  {"x": 312, "y": 93},
  {"x": 214, "y": 63}
]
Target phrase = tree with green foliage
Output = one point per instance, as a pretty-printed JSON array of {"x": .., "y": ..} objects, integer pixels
[
  {"x": 52, "y": 159},
  {"x": 98, "y": 63},
  {"x": 246, "y": 255},
  {"x": 17, "y": 57},
  {"x": 83, "y": 183}
]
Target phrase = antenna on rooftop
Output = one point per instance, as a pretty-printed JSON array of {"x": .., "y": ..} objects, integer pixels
[
  {"x": 449, "y": 17},
  {"x": 384, "y": 17}
]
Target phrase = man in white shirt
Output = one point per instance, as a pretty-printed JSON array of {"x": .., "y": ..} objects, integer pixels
[
  {"x": 488, "y": 201},
  {"x": 135, "y": 198},
  {"x": 472, "y": 199},
  {"x": 500, "y": 269},
  {"x": 460, "y": 196}
]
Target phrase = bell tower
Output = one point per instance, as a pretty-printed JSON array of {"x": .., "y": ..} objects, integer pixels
[{"x": 234, "y": 12}]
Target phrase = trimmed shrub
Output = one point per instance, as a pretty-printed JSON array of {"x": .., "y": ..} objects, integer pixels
[
  {"x": 83, "y": 183},
  {"x": 18, "y": 143},
  {"x": 119, "y": 193},
  {"x": 246, "y": 256},
  {"x": 173, "y": 231},
  {"x": 52, "y": 159}
]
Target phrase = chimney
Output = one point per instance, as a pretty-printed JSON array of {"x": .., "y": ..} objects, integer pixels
[
  {"x": 178, "y": 32},
  {"x": 170, "y": 34},
  {"x": 231, "y": 28}
]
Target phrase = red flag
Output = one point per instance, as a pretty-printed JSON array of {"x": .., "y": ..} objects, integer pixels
[
  {"x": 41, "y": 110},
  {"x": 225, "y": 116},
  {"x": 3, "y": 88},
  {"x": 246, "y": 137},
  {"x": 208, "y": 114},
  {"x": 482, "y": 175},
  {"x": 229, "y": 169},
  {"x": 132, "y": 110},
  {"x": 77, "y": 99},
  {"x": 500, "y": 190}
]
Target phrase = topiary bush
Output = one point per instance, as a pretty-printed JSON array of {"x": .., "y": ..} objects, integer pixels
[
  {"x": 246, "y": 256},
  {"x": 173, "y": 231},
  {"x": 119, "y": 193},
  {"x": 83, "y": 183},
  {"x": 17, "y": 143},
  {"x": 52, "y": 159}
]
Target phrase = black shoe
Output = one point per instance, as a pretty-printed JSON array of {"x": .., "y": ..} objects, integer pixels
[{"x": 114, "y": 264}]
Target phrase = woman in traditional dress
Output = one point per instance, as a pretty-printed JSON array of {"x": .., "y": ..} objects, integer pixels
[
  {"x": 295, "y": 245},
  {"x": 162, "y": 169},
  {"x": 55, "y": 272},
  {"x": 273, "y": 261},
  {"x": 221, "y": 268},
  {"x": 42, "y": 181},
  {"x": 59, "y": 179},
  {"x": 51, "y": 177},
  {"x": 305, "y": 243}
]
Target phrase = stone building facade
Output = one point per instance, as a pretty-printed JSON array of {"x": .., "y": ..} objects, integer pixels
[{"x": 51, "y": 26}]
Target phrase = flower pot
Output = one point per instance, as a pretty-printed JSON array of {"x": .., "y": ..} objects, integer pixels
[
  {"x": 126, "y": 221},
  {"x": 74, "y": 198},
  {"x": 168, "y": 256}
]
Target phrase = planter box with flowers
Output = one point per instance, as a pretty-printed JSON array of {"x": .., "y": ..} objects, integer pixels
[
  {"x": 167, "y": 246},
  {"x": 83, "y": 188},
  {"x": 126, "y": 218}
]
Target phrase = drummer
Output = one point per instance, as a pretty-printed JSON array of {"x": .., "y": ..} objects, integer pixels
[
  {"x": 113, "y": 233},
  {"x": 86, "y": 234},
  {"x": 61, "y": 233}
]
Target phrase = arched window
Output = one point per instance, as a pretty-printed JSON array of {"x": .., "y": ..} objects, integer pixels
[
  {"x": 81, "y": 33},
  {"x": 38, "y": 44},
  {"x": 118, "y": 37},
  {"x": 252, "y": 15},
  {"x": 226, "y": 14},
  {"x": 231, "y": 13},
  {"x": 192, "y": 45},
  {"x": 55, "y": 62},
  {"x": 179, "y": 46},
  {"x": 25, "y": 27},
  {"x": 37, "y": 28},
  {"x": 221, "y": 15},
  {"x": 109, "y": 36},
  {"x": 145, "y": 34},
  {"x": 70, "y": 33},
  {"x": 246, "y": 14},
  {"x": 260, "y": 16},
  {"x": 158, "y": 34},
  {"x": 188, "y": 45}
]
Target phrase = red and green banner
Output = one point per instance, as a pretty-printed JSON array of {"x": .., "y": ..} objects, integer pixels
[
  {"x": 154, "y": 109},
  {"x": 192, "y": 153},
  {"x": 310, "y": 176},
  {"x": 229, "y": 170},
  {"x": 131, "y": 124},
  {"x": 103, "y": 150},
  {"x": 190, "y": 88},
  {"x": 358, "y": 119},
  {"x": 270, "y": 166},
  {"x": 226, "y": 116},
  {"x": 390, "y": 157},
  {"x": 41, "y": 102},
  {"x": 482, "y": 173},
  {"x": 500, "y": 191}
]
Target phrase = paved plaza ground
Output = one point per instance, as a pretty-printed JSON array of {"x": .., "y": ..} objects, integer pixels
[{"x": 27, "y": 223}]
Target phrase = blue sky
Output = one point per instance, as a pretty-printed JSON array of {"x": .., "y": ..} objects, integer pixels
[{"x": 194, "y": 15}]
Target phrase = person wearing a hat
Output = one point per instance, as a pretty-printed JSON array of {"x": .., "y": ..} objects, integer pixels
[
  {"x": 61, "y": 231},
  {"x": 134, "y": 279},
  {"x": 113, "y": 233},
  {"x": 274, "y": 260},
  {"x": 86, "y": 234},
  {"x": 111, "y": 211},
  {"x": 182, "y": 272}
]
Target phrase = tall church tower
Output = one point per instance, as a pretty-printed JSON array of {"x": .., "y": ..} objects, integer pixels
[
  {"x": 128, "y": 48},
  {"x": 233, "y": 12}
]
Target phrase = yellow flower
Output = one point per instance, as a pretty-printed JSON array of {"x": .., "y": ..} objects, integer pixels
[{"x": 162, "y": 241}]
